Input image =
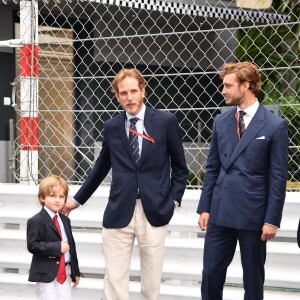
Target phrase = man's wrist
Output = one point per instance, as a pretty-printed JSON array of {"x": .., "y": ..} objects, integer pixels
[
  {"x": 76, "y": 202},
  {"x": 176, "y": 204},
  {"x": 271, "y": 225}
]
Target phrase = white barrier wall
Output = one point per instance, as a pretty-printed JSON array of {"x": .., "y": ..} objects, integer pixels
[{"x": 183, "y": 258}]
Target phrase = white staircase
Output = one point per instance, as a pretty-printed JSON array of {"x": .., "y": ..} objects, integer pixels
[{"x": 181, "y": 277}]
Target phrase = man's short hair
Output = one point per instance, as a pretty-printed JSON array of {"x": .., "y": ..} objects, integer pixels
[
  {"x": 245, "y": 71},
  {"x": 133, "y": 73}
]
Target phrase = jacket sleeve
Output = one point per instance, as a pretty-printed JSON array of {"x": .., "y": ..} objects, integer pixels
[
  {"x": 179, "y": 168},
  {"x": 278, "y": 170},
  {"x": 98, "y": 173},
  {"x": 212, "y": 171},
  {"x": 35, "y": 243}
]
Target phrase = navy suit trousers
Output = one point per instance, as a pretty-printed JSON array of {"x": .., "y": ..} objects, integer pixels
[{"x": 219, "y": 249}]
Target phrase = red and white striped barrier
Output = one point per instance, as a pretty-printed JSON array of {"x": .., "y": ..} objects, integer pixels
[{"x": 29, "y": 91}]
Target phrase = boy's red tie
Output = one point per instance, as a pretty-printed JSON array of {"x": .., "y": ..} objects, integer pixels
[{"x": 61, "y": 275}]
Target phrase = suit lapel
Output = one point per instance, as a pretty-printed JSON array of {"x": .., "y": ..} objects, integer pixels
[
  {"x": 48, "y": 220},
  {"x": 256, "y": 124},
  {"x": 232, "y": 128},
  {"x": 149, "y": 124}
]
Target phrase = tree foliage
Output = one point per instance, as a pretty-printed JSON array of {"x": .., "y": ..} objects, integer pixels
[{"x": 275, "y": 50}]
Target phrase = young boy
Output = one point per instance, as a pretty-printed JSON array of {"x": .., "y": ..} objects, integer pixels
[{"x": 50, "y": 240}]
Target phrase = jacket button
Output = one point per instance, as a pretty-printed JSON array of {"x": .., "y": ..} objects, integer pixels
[{"x": 57, "y": 262}]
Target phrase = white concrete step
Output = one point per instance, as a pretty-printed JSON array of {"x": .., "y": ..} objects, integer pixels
[{"x": 16, "y": 287}]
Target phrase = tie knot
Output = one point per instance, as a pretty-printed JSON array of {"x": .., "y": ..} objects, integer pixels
[
  {"x": 133, "y": 121},
  {"x": 242, "y": 113},
  {"x": 55, "y": 218}
]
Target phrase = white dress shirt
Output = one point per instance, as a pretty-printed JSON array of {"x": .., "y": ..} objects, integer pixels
[{"x": 250, "y": 112}]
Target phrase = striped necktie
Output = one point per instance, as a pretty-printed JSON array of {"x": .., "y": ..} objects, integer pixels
[
  {"x": 133, "y": 140},
  {"x": 241, "y": 122}
]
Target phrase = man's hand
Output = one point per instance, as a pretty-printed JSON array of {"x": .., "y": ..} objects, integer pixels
[
  {"x": 69, "y": 206},
  {"x": 203, "y": 220},
  {"x": 268, "y": 232}
]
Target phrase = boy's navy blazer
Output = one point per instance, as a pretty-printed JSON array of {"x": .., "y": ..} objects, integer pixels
[
  {"x": 160, "y": 174},
  {"x": 245, "y": 181},
  {"x": 43, "y": 241}
]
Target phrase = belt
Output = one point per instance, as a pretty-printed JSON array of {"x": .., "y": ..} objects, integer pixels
[{"x": 138, "y": 196}]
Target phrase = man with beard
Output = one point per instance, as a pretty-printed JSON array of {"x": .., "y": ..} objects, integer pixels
[
  {"x": 244, "y": 186},
  {"x": 143, "y": 148}
]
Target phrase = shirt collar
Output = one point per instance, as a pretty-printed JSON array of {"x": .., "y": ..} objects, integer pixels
[
  {"x": 251, "y": 110},
  {"x": 51, "y": 213},
  {"x": 140, "y": 115}
]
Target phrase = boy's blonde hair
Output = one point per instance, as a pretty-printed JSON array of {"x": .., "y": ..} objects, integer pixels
[{"x": 48, "y": 185}]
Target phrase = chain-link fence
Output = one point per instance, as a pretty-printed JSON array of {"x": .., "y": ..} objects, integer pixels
[{"x": 178, "y": 45}]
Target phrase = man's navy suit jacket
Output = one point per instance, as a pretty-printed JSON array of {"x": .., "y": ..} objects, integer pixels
[
  {"x": 160, "y": 174},
  {"x": 245, "y": 181},
  {"x": 43, "y": 241}
]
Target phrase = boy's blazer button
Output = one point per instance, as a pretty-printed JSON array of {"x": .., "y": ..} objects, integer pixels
[{"x": 57, "y": 262}]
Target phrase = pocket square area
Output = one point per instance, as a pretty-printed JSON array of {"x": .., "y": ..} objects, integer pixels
[{"x": 261, "y": 138}]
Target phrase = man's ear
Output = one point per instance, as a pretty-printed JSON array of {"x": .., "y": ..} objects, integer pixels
[
  {"x": 143, "y": 90},
  {"x": 246, "y": 85}
]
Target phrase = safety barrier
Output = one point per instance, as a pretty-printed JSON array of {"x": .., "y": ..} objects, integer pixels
[{"x": 181, "y": 276}]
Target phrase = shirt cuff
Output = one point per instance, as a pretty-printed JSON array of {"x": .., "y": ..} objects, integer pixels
[
  {"x": 271, "y": 225},
  {"x": 176, "y": 203},
  {"x": 76, "y": 202}
]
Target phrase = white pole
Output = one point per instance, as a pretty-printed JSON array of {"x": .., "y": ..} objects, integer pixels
[{"x": 29, "y": 91}]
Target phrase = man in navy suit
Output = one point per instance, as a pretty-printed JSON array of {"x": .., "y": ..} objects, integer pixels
[
  {"x": 143, "y": 148},
  {"x": 244, "y": 185}
]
